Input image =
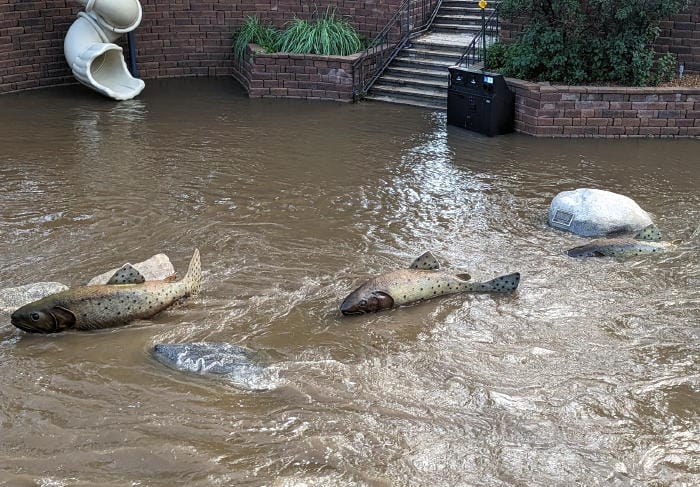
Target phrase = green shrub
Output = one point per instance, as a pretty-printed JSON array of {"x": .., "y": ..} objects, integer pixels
[
  {"x": 597, "y": 41},
  {"x": 327, "y": 35},
  {"x": 496, "y": 56},
  {"x": 254, "y": 31}
]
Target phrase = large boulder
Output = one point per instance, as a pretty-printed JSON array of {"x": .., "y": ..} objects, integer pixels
[
  {"x": 155, "y": 268},
  {"x": 594, "y": 212},
  {"x": 12, "y": 298}
]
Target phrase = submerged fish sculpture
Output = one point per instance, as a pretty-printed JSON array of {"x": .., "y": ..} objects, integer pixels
[
  {"x": 241, "y": 366},
  {"x": 422, "y": 280},
  {"x": 647, "y": 241},
  {"x": 126, "y": 297}
]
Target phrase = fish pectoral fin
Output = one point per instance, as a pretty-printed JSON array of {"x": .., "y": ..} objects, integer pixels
[
  {"x": 463, "y": 277},
  {"x": 427, "y": 261},
  {"x": 62, "y": 317},
  {"x": 650, "y": 233},
  {"x": 598, "y": 253},
  {"x": 172, "y": 278},
  {"x": 127, "y": 274},
  {"x": 678, "y": 241}
]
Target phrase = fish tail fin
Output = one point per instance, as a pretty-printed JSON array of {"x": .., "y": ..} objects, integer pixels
[
  {"x": 502, "y": 284},
  {"x": 193, "y": 278}
]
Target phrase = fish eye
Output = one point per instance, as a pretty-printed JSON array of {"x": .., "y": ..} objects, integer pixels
[
  {"x": 363, "y": 302},
  {"x": 35, "y": 316}
]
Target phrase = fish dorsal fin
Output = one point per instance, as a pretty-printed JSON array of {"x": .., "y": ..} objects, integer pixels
[
  {"x": 463, "y": 277},
  {"x": 651, "y": 233},
  {"x": 427, "y": 261},
  {"x": 126, "y": 274}
]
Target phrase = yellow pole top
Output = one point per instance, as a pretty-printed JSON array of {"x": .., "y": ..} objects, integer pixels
[{"x": 482, "y": 4}]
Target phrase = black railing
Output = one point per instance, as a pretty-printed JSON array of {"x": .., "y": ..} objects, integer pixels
[
  {"x": 475, "y": 52},
  {"x": 412, "y": 18}
]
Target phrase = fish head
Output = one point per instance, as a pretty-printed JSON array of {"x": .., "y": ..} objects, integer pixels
[
  {"x": 589, "y": 250},
  {"x": 366, "y": 300},
  {"x": 38, "y": 318}
]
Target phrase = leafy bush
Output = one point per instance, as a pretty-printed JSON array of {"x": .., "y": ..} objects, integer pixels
[
  {"x": 496, "y": 56},
  {"x": 328, "y": 35},
  {"x": 254, "y": 31},
  {"x": 596, "y": 41}
]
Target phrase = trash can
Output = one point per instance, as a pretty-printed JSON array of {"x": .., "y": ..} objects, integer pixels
[{"x": 480, "y": 101}]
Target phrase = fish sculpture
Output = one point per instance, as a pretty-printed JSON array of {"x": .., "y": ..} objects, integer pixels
[
  {"x": 423, "y": 280},
  {"x": 647, "y": 241},
  {"x": 127, "y": 296}
]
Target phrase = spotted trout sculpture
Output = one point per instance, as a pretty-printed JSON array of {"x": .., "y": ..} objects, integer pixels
[
  {"x": 127, "y": 296},
  {"x": 647, "y": 241},
  {"x": 421, "y": 281}
]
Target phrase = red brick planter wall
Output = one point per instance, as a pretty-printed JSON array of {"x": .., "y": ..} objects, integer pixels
[
  {"x": 586, "y": 111},
  {"x": 306, "y": 76},
  {"x": 176, "y": 38}
]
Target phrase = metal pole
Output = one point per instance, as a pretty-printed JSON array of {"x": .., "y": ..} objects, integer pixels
[
  {"x": 483, "y": 34},
  {"x": 132, "y": 54}
]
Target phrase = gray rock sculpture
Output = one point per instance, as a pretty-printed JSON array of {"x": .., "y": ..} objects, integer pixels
[
  {"x": 15, "y": 297},
  {"x": 594, "y": 212}
]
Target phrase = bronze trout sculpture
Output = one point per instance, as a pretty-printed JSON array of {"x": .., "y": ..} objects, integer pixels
[
  {"x": 126, "y": 297},
  {"x": 647, "y": 241},
  {"x": 421, "y": 281}
]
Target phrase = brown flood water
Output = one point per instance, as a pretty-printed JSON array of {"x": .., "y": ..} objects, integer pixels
[{"x": 589, "y": 374}]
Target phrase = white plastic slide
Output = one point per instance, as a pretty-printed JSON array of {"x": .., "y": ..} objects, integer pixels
[{"x": 96, "y": 61}]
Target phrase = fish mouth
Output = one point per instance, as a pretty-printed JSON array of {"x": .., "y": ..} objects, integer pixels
[
  {"x": 350, "y": 310},
  {"x": 24, "y": 326}
]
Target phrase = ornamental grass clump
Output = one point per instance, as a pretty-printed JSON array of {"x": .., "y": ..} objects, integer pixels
[
  {"x": 596, "y": 41},
  {"x": 327, "y": 35},
  {"x": 253, "y": 31}
]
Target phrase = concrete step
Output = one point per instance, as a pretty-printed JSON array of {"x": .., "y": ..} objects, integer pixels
[
  {"x": 452, "y": 27},
  {"x": 425, "y": 94},
  {"x": 451, "y": 18},
  {"x": 422, "y": 73},
  {"x": 431, "y": 54},
  {"x": 422, "y": 63},
  {"x": 407, "y": 101},
  {"x": 413, "y": 82},
  {"x": 461, "y": 10}
]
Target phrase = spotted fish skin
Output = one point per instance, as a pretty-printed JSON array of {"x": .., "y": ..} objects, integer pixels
[
  {"x": 620, "y": 247},
  {"x": 409, "y": 285},
  {"x": 105, "y": 306},
  {"x": 647, "y": 241}
]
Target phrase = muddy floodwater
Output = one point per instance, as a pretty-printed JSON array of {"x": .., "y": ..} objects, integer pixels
[{"x": 589, "y": 374}]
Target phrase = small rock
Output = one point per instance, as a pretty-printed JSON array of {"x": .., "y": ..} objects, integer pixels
[
  {"x": 594, "y": 212},
  {"x": 12, "y": 298},
  {"x": 155, "y": 268},
  {"x": 240, "y": 366}
]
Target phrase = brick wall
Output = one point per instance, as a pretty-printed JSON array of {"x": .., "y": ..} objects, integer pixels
[
  {"x": 176, "y": 38},
  {"x": 297, "y": 75},
  {"x": 587, "y": 111},
  {"x": 679, "y": 35}
]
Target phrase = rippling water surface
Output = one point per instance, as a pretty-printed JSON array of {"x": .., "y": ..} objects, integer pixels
[{"x": 588, "y": 375}]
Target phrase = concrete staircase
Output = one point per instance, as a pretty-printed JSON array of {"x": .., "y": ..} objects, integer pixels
[{"x": 418, "y": 75}]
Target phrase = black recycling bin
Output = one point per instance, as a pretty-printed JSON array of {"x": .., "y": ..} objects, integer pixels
[{"x": 480, "y": 101}]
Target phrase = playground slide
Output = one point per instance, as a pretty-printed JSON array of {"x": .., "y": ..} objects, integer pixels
[{"x": 90, "y": 50}]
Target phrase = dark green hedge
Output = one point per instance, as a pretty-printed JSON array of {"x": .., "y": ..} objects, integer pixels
[{"x": 587, "y": 41}]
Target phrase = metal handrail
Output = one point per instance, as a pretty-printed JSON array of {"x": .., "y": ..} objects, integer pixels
[
  {"x": 383, "y": 49},
  {"x": 471, "y": 55}
]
